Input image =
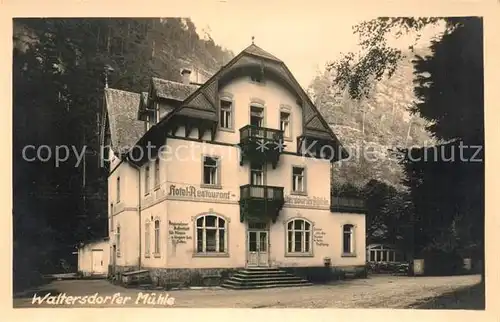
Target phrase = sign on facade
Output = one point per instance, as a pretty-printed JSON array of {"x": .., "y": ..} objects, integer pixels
[
  {"x": 307, "y": 202},
  {"x": 198, "y": 194}
]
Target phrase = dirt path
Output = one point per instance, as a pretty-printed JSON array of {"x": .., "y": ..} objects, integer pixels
[{"x": 374, "y": 292}]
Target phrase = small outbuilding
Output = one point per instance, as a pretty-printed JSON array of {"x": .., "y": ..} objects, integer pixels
[{"x": 93, "y": 258}]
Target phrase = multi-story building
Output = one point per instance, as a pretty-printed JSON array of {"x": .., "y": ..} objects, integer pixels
[{"x": 228, "y": 174}]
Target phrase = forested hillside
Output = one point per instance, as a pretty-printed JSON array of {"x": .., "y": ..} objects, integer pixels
[
  {"x": 58, "y": 79},
  {"x": 375, "y": 124}
]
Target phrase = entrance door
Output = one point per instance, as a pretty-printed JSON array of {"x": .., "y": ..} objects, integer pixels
[
  {"x": 258, "y": 245},
  {"x": 97, "y": 261}
]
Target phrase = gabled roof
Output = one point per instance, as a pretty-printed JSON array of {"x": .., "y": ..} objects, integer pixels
[
  {"x": 125, "y": 128},
  {"x": 257, "y": 51},
  {"x": 171, "y": 90},
  {"x": 203, "y": 98}
]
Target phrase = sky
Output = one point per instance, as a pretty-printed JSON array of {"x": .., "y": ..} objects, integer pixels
[
  {"x": 302, "y": 47},
  {"x": 304, "y": 40}
]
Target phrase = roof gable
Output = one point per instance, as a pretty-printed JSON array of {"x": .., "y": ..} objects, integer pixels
[{"x": 203, "y": 101}]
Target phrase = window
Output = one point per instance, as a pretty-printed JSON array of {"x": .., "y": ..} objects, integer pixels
[
  {"x": 146, "y": 180},
  {"x": 348, "y": 239},
  {"x": 298, "y": 180},
  {"x": 226, "y": 121},
  {"x": 118, "y": 241},
  {"x": 285, "y": 124},
  {"x": 157, "y": 172},
  {"x": 157, "y": 113},
  {"x": 111, "y": 212},
  {"x": 211, "y": 234},
  {"x": 256, "y": 77},
  {"x": 256, "y": 116},
  {"x": 147, "y": 239},
  {"x": 257, "y": 174},
  {"x": 118, "y": 189},
  {"x": 211, "y": 171},
  {"x": 299, "y": 237},
  {"x": 157, "y": 238}
]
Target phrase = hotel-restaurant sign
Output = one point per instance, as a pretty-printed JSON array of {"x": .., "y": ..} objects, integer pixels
[
  {"x": 195, "y": 193},
  {"x": 307, "y": 202}
]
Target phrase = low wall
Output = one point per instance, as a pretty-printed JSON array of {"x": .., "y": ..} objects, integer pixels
[
  {"x": 167, "y": 277},
  {"x": 322, "y": 274},
  {"x": 190, "y": 276}
]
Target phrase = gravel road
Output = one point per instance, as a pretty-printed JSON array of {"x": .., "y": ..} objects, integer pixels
[{"x": 373, "y": 292}]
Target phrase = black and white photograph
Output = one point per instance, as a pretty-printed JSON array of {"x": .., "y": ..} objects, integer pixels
[{"x": 249, "y": 159}]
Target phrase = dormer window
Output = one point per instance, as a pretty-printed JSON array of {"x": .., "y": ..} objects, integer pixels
[
  {"x": 256, "y": 78},
  {"x": 148, "y": 124},
  {"x": 157, "y": 113}
]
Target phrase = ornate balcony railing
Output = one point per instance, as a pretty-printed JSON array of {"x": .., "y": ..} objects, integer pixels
[
  {"x": 260, "y": 144},
  {"x": 347, "y": 204},
  {"x": 250, "y": 133},
  {"x": 260, "y": 203}
]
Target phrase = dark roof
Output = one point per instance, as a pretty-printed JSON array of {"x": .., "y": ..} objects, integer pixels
[
  {"x": 125, "y": 128},
  {"x": 192, "y": 93},
  {"x": 257, "y": 51},
  {"x": 171, "y": 90}
]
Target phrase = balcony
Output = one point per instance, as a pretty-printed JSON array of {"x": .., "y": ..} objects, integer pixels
[
  {"x": 260, "y": 203},
  {"x": 260, "y": 145},
  {"x": 345, "y": 204}
]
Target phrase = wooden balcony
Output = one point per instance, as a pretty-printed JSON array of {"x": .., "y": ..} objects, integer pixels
[
  {"x": 260, "y": 203},
  {"x": 260, "y": 145},
  {"x": 345, "y": 204}
]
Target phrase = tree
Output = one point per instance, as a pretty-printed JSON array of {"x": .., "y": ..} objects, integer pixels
[
  {"x": 58, "y": 94},
  {"x": 448, "y": 195}
]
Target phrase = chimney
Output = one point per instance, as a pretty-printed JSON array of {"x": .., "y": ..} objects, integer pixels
[{"x": 186, "y": 76}]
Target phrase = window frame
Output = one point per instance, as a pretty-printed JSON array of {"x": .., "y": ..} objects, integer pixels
[
  {"x": 310, "y": 252},
  {"x": 156, "y": 237},
  {"x": 286, "y": 109},
  {"x": 262, "y": 172},
  {"x": 257, "y": 78},
  {"x": 111, "y": 214},
  {"x": 228, "y": 98},
  {"x": 304, "y": 181},
  {"x": 157, "y": 173},
  {"x": 147, "y": 238},
  {"x": 218, "y": 169},
  {"x": 352, "y": 246},
  {"x": 147, "y": 179},
  {"x": 118, "y": 184},
  {"x": 118, "y": 240},
  {"x": 217, "y": 228},
  {"x": 260, "y": 104}
]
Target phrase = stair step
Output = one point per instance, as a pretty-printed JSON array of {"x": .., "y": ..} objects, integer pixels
[
  {"x": 264, "y": 278},
  {"x": 248, "y": 287},
  {"x": 248, "y": 272},
  {"x": 271, "y": 282}
]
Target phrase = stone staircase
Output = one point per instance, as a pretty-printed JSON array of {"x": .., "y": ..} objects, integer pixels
[{"x": 258, "y": 278}]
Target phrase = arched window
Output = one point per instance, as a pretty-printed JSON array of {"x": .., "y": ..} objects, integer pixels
[
  {"x": 118, "y": 242},
  {"x": 211, "y": 234},
  {"x": 157, "y": 237},
  {"x": 147, "y": 238},
  {"x": 348, "y": 243},
  {"x": 299, "y": 237}
]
